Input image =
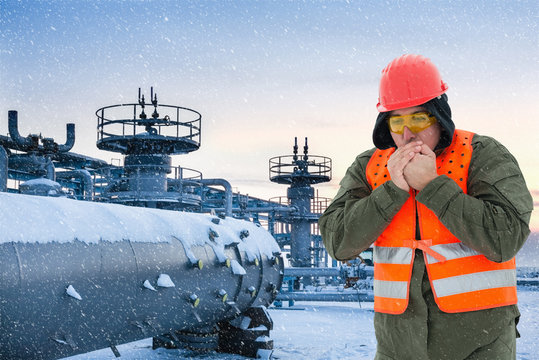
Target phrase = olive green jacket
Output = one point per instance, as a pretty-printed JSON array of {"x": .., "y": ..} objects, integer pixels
[{"x": 492, "y": 218}]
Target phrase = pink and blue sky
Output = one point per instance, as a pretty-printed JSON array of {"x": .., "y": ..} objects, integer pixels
[{"x": 262, "y": 72}]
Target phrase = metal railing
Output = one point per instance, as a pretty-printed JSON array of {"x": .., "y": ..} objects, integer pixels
[
  {"x": 174, "y": 123},
  {"x": 290, "y": 165},
  {"x": 183, "y": 179}
]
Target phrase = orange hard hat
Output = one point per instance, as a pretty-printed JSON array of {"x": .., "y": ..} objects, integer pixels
[{"x": 409, "y": 80}]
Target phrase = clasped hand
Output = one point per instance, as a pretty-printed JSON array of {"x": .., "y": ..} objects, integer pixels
[{"x": 412, "y": 166}]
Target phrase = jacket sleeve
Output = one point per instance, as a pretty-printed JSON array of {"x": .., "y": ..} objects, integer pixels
[
  {"x": 358, "y": 215},
  {"x": 493, "y": 218}
]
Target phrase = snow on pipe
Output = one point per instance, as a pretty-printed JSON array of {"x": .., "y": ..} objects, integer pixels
[{"x": 79, "y": 276}]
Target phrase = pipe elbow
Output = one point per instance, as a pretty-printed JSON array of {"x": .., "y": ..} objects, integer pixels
[
  {"x": 228, "y": 192},
  {"x": 13, "y": 127},
  {"x": 219, "y": 182},
  {"x": 70, "y": 141}
]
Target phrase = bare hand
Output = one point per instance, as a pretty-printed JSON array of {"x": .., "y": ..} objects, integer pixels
[
  {"x": 398, "y": 161},
  {"x": 421, "y": 169}
]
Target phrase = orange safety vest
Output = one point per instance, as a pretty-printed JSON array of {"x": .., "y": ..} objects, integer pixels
[{"x": 461, "y": 278}]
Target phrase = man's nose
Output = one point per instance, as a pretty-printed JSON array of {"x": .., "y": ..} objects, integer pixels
[{"x": 408, "y": 135}]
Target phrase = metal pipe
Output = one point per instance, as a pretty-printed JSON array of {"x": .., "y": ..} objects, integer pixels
[
  {"x": 50, "y": 169},
  {"x": 85, "y": 179},
  {"x": 6, "y": 142},
  {"x": 13, "y": 127},
  {"x": 305, "y": 271},
  {"x": 70, "y": 138},
  {"x": 135, "y": 282},
  {"x": 3, "y": 169},
  {"x": 272, "y": 208},
  {"x": 228, "y": 192},
  {"x": 265, "y": 209},
  {"x": 72, "y": 159},
  {"x": 528, "y": 282},
  {"x": 326, "y": 296}
]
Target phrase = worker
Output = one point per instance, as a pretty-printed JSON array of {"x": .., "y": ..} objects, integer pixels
[{"x": 446, "y": 211}]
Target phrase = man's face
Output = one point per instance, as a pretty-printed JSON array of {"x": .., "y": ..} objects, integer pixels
[{"x": 430, "y": 136}]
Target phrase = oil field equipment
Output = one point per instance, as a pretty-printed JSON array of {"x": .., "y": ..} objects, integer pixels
[
  {"x": 125, "y": 264},
  {"x": 148, "y": 141},
  {"x": 300, "y": 172},
  {"x": 79, "y": 276},
  {"x": 298, "y": 235}
]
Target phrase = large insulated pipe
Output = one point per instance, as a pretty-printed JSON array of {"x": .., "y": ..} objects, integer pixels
[
  {"x": 3, "y": 169},
  {"x": 228, "y": 192},
  {"x": 79, "y": 276}
]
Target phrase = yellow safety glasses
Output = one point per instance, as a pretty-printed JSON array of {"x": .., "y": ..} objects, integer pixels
[{"x": 415, "y": 122}]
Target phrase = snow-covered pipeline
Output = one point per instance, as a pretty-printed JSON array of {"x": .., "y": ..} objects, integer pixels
[{"x": 78, "y": 276}]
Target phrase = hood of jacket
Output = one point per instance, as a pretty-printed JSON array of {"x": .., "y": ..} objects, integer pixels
[{"x": 439, "y": 107}]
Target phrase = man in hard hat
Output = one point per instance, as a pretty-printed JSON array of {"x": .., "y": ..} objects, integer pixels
[{"x": 446, "y": 211}]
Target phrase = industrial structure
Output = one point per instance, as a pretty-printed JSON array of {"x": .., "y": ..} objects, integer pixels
[
  {"x": 79, "y": 276},
  {"x": 103, "y": 257},
  {"x": 300, "y": 172},
  {"x": 297, "y": 233},
  {"x": 94, "y": 255}
]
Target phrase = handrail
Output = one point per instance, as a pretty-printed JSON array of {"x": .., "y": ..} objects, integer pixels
[
  {"x": 121, "y": 123},
  {"x": 286, "y": 165}
]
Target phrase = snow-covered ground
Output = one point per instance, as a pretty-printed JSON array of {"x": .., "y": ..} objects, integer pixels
[
  {"x": 309, "y": 331},
  {"x": 326, "y": 331}
]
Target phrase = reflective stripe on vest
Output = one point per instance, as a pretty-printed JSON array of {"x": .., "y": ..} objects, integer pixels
[
  {"x": 451, "y": 251},
  {"x": 461, "y": 278},
  {"x": 475, "y": 281},
  {"x": 392, "y": 255},
  {"x": 391, "y": 289}
]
